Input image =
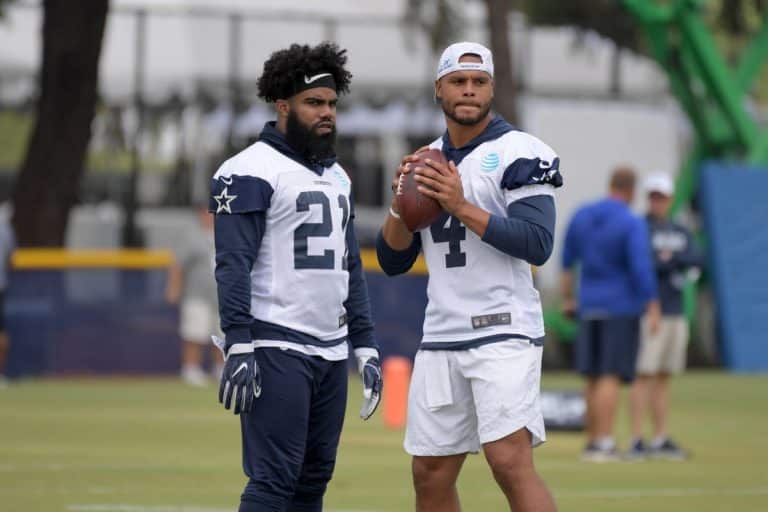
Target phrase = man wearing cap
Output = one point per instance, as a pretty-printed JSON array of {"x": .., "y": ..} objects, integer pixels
[
  {"x": 662, "y": 353},
  {"x": 290, "y": 286},
  {"x": 608, "y": 245},
  {"x": 477, "y": 373}
]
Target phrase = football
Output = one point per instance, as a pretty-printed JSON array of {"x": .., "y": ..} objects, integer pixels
[{"x": 418, "y": 211}]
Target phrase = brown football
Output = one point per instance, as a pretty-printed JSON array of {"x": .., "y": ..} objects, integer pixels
[{"x": 416, "y": 210}]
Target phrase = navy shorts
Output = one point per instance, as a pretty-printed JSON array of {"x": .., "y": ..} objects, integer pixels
[
  {"x": 608, "y": 346},
  {"x": 291, "y": 435}
]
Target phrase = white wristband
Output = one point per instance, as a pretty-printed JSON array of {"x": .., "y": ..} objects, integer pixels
[{"x": 394, "y": 213}]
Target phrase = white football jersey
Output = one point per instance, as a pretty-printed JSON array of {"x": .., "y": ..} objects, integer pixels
[
  {"x": 476, "y": 293},
  {"x": 299, "y": 280}
]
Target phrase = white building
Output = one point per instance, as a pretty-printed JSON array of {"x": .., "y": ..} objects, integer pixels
[{"x": 566, "y": 100}]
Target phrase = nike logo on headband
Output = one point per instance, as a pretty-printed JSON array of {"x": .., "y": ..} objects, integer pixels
[{"x": 308, "y": 80}]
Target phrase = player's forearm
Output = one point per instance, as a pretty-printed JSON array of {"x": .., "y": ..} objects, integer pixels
[
  {"x": 473, "y": 217},
  {"x": 395, "y": 233},
  {"x": 394, "y": 262},
  {"x": 527, "y": 233},
  {"x": 520, "y": 239},
  {"x": 357, "y": 305},
  {"x": 238, "y": 238},
  {"x": 233, "y": 282}
]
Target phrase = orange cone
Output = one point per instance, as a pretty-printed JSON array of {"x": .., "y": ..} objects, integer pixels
[{"x": 397, "y": 377}]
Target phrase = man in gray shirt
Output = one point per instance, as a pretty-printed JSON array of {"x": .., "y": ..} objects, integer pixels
[{"x": 191, "y": 284}]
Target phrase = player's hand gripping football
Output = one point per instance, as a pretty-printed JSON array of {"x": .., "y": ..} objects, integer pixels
[
  {"x": 405, "y": 167},
  {"x": 241, "y": 379},
  {"x": 370, "y": 371},
  {"x": 442, "y": 183}
]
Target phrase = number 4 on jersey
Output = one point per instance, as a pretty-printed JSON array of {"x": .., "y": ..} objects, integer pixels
[{"x": 451, "y": 230}]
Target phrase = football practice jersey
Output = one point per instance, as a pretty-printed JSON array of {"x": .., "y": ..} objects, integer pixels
[
  {"x": 300, "y": 278},
  {"x": 478, "y": 294}
]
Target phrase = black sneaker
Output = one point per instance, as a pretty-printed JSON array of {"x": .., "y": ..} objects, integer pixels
[
  {"x": 592, "y": 453},
  {"x": 668, "y": 450},
  {"x": 638, "y": 451}
]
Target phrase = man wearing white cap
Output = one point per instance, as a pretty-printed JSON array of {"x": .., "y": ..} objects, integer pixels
[
  {"x": 662, "y": 353},
  {"x": 477, "y": 374}
]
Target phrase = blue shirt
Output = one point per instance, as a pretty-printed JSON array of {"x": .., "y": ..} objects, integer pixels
[{"x": 611, "y": 246}]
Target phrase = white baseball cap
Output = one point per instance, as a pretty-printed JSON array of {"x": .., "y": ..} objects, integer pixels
[
  {"x": 660, "y": 182},
  {"x": 449, "y": 61}
]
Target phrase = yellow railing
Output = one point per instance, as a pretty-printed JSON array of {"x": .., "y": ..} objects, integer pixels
[{"x": 28, "y": 259}]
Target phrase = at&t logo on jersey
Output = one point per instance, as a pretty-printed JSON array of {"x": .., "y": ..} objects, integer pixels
[{"x": 490, "y": 162}]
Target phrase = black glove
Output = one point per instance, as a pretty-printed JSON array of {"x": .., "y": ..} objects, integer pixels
[{"x": 241, "y": 379}]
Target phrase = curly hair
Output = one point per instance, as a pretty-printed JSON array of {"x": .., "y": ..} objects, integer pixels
[{"x": 285, "y": 67}]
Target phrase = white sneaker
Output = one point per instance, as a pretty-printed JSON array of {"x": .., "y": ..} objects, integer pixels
[{"x": 194, "y": 376}]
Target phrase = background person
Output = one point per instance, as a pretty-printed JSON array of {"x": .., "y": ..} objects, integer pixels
[
  {"x": 663, "y": 353},
  {"x": 609, "y": 246},
  {"x": 191, "y": 284}
]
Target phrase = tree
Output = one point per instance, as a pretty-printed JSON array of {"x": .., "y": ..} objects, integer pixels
[
  {"x": 605, "y": 17},
  {"x": 48, "y": 181},
  {"x": 442, "y": 21},
  {"x": 735, "y": 18}
]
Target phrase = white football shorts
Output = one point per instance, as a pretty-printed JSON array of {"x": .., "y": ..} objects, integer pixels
[
  {"x": 199, "y": 319},
  {"x": 461, "y": 399}
]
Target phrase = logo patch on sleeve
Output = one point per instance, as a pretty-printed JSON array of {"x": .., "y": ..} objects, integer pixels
[{"x": 224, "y": 201}]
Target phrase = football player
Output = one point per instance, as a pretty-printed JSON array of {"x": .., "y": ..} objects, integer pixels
[
  {"x": 290, "y": 286},
  {"x": 477, "y": 373}
]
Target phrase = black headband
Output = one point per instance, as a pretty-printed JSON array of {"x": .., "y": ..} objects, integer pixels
[{"x": 310, "y": 82}]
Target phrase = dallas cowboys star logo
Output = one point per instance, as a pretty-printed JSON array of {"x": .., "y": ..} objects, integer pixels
[{"x": 223, "y": 201}]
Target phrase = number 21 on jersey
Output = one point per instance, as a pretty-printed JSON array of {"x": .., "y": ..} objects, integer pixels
[{"x": 323, "y": 229}]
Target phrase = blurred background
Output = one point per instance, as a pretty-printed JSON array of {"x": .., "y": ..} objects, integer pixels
[{"x": 115, "y": 114}]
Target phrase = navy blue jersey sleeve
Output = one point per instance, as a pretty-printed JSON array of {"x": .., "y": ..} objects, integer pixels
[
  {"x": 357, "y": 305},
  {"x": 532, "y": 171},
  {"x": 394, "y": 262},
  {"x": 239, "y": 194},
  {"x": 528, "y": 230},
  {"x": 238, "y": 239},
  {"x": 640, "y": 257}
]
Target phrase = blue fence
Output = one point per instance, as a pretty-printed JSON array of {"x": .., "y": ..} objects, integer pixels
[
  {"x": 735, "y": 212},
  {"x": 112, "y": 318}
]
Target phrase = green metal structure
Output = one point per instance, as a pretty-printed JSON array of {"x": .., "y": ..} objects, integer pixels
[{"x": 713, "y": 94}]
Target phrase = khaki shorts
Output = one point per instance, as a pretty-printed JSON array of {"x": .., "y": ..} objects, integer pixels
[
  {"x": 461, "y": 399},
  {"x": 664, "y": 352},
  {"x": 199, "y": 320}
]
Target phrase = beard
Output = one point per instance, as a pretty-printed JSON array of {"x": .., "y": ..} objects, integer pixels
[
  {"x": 465, "y": 120},
  {"x": 311, "y": 145}
]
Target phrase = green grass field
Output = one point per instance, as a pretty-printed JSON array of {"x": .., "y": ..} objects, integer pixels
[{"x": 155, "y": 445}]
